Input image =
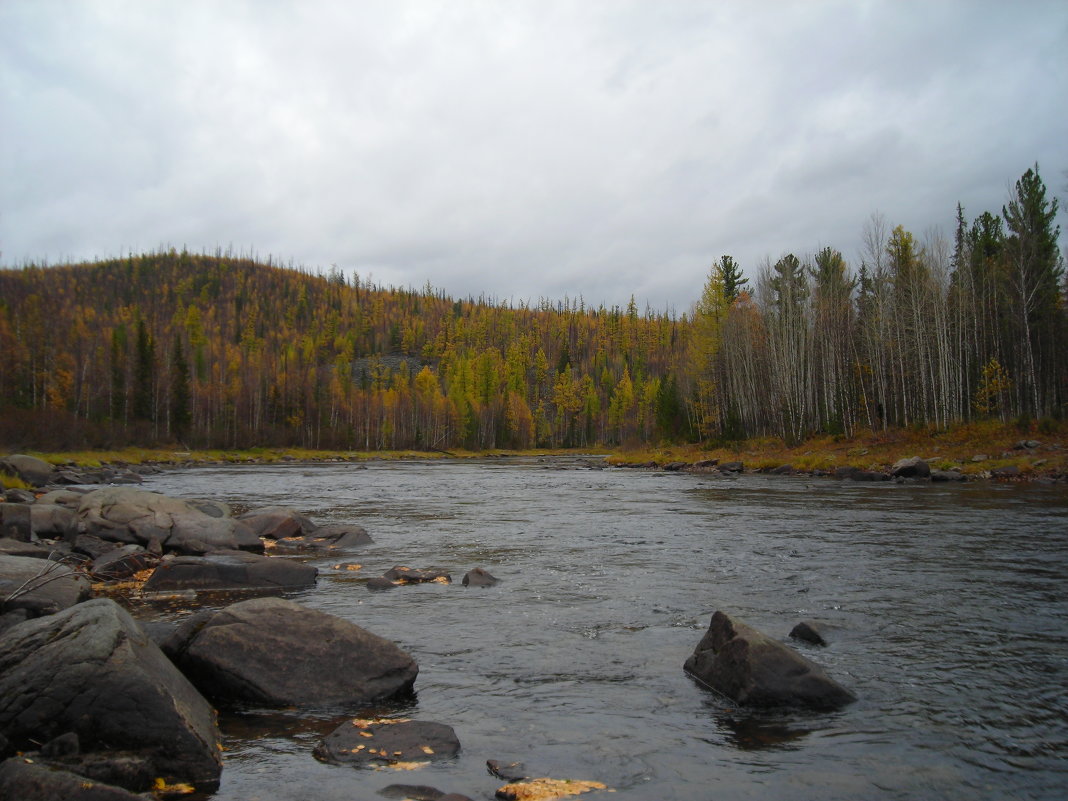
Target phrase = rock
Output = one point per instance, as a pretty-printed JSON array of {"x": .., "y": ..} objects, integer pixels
[
  {"x": 68, "y": 498},
  {"x": 122, "y": 562},
  {"x": 276, "y": 522},
  {"x": 809, "y": 632},
  {"x": 1010, "y": 471},
  {"x": 1026, "y": 445},
  {"x": 7, "y": 620},
  {"x": 479, "y": 578},
  {"x": 512, "y": 772},
  {"x": 913, "y": 467},
  {"x": 674, "y": 467},
  {"x": 846, "y": 471},
  {"x": 92, "y": 671},
  {"x": 30, "y": 469},
  {"x": 782, "y": 470},
  {"x": 53, "y": 521},
  {"x": 752, "y": 669},
  {"x": 44, "y": 587},
  {"x": 16, "y": 495},
  {"x": 412, "y": 575},
  {"x": 65, "y": 745},
  {"x": 980, "y": 457},
  {"x": 16, "y": 522},
  {"x": 731, "y": 467},
  {"x": 276, "y": 652},
  {"x": 37, "y": 550},
  {"x": 327, "y": 538},
  {"x": 947, "y": 475},
  {"x": 546, "y": 789},
  {"x": 869, "y": 475},
  {"x": 26, "y": 780},
  {"x": 229, "y": 570},
  {"x": 387, "y": 742},
  {"x": 706, "y": 464},
  {"x": 125, "y": 514},
  {"x": 413, "y": 792},
  {"x": 92, "y": 546}
]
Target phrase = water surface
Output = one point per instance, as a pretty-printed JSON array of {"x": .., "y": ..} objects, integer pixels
[{"x": 947, "y": 608}]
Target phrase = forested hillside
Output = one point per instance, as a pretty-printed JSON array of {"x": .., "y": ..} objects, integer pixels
[
  {"x": 210, "y": 351},
  {"x": 220, "y": 351}
]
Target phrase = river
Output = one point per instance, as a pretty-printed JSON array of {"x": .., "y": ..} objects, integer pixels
[{"x": 947, "y": 607}]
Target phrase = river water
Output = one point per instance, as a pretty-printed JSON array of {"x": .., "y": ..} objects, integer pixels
[{"x": 947, "y": 607}]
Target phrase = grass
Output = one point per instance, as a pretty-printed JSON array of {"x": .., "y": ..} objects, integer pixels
[{"x": 8, "y": 481}]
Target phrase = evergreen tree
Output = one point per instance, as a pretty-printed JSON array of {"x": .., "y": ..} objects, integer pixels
[
  {"x": 144, "y": 407},
  {"x": 181, "y": 415}
]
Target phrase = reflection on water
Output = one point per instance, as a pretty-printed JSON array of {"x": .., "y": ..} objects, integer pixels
[{"x": 946, "y": 607}]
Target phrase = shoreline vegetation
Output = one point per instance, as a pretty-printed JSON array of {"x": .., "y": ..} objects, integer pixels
[{"x": 976, "y": 451}]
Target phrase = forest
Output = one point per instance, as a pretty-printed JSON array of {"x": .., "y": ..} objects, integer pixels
[{"x": 220, "y": 351}]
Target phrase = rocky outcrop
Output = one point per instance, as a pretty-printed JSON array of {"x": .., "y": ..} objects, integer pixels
[
  {"x": 30, "y": 469},
  {"x": 39, "y": 586},
  {"x": 53, "y": 521},
  {"x": 92, "y": 671},
  {"x": 912, "y": 467},
  {"x": 752, "y": 669},
  {"x": 276, "y": 652},
  {"x": 387, "y": 742},
  {"x": 229, "y": 570},
  {"x": 128, "y": 515}
]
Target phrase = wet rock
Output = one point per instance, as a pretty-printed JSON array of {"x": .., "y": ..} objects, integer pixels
[
  {"x": 412, "y": 575},
  {"x": 44, "y": 587},
  {"x": 808, "y": 631},
  {"x": 276, "y": 522},
  {"x": 846, "y": 471},
  {"x": 16, "y": 522},
  {"x": 53, "y": 521},
  {"x": 92, "y": 671},
  {"x": 869, "y": 475},
  {"x": 414, "y": 792},
  {"x": 327, "y": 538},
  {"x": 229, "y": 570},
  {"x": 122, "y": 562},
  {"x": 479, "y": 578},
  {"x": 912, "y": 467},
  {"x": 512, "y": 772},
  {"x": 26, "y": 780},
  {"x": 276, "y": 652},
  {"x": 386, "y": 742},
  {"x": 674, "y": 467},
  {"x": 752, "y": 669},
  {"x": 125, "y": 514},
  {"x": 30, "y": 469},
  {"x": 947, "y": 475},
  {"x": 65, "y": 745},
  {"x": 705, "y": 464},
  {"x": 381, "y": 583},
  {"x": 16, "y": 495},
  {"x": 731, "y": 467},
  {"x": 546, "y": 789}
]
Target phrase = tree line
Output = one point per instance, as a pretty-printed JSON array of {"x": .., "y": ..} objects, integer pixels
[
  {"x": 225, "y": 351},
  {"x": 926, "y": 332}
]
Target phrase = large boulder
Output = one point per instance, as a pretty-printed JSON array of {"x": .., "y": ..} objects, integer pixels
[
  {"x": 276, "y": 522},
  {"x": 29, "y": 468},
  {"x": 751, "y": 668},
  {"x": 387, "y": 742},
  {"x": 229, "y": 570},
  {"x": 122, "y": 563},
  {"x": 92, "y": 671},
  {"x": 125, "y": 514},
  {"x": 275, "y": 652},
  {"x": 913, "y": 467},
  {"x": 16, "y": 521},
  {"x": 53, "y": 521},
  {"x": 39, "y": 586}
]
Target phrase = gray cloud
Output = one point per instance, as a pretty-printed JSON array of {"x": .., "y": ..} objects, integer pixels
[{"x": 522, "y": 149}]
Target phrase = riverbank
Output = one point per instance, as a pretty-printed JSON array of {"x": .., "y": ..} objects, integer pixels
[{"x": 977, "y": 450}]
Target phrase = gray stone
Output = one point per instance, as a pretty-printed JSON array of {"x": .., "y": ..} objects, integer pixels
[
  {"x": 15, "y": 495},
  {"x": 411, "y": 575},
  {"x": 22, "y": 779},
  {"x": 276, "y": 652},
  {"x": 752, "y": 669},
  {"x": 122, "y": 563},
  {"x": 69, "y": 498},
  {"x": 731, "y": 467},
  {"x": 29, "y": 468},
  {"x": 327, "y": 538},
  {"x": 808, "y": 631},
  {"x": 43, "y": 587},
  {"x": 947, "y": 475},
  {"x": 1010, "y": 471},
  {"x": 479, "y": 578},
  {"x": 912, "y": 467},
  {"x": 276, "y": 522},
  {"x": 53, "y": 521},
  {"x": 229, "y": 570},
  {"x": 91, "y": 670},
  {"x": 38, "y": 550},
  {"x": 16, "y": 521}
]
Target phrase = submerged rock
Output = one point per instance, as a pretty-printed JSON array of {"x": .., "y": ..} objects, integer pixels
[
  {"x": 327, "y": 538},
  {"x": 411, "y": 575},
  {"x": 808, "y": 631},
  {"x": 276, "y": 652},
  {"x": 479, "y": 578},
  {"x": 91, "y": 670},
  {"x": 387, "y": 742},
  {"x": 750, "y": 668}
]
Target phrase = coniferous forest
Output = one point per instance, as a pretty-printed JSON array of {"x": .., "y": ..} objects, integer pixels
[{"x": 222, "y": 351}]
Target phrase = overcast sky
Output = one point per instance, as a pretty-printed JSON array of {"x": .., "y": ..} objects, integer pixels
[{"x": 520, "y": 149}]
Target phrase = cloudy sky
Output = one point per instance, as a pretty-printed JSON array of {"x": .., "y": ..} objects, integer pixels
[{"x": 518, "y": 148}]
